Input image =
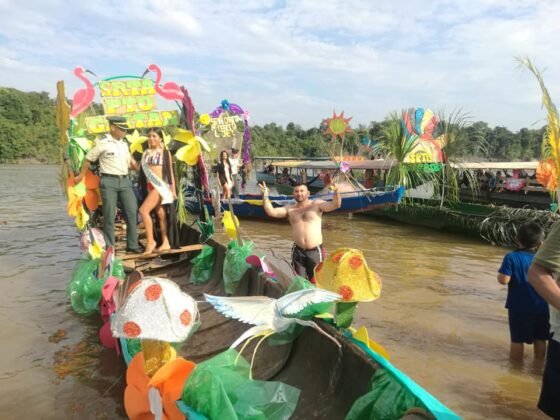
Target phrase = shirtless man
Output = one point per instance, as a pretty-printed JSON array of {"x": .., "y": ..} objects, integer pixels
[{"x": 305, "y": 218}]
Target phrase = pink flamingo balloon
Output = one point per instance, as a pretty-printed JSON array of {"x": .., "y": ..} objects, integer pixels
[
  {"x": 169, "y": 90},
  {"x": 82, "y": 97}
]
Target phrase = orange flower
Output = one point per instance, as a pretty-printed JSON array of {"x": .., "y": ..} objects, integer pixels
[
  {"x": 547, "y": 174},
  {"x": 168, "y": 381}
]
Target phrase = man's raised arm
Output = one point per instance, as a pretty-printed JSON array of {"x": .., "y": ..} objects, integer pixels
[
  {"x": 278, "y": 212},
  {"x": 334, "y": 204}
]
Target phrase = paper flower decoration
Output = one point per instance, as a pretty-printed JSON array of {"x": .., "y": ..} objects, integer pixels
[
  {"x": 204, "y": 119},
  {"x": 107, "y": 307},
  {"x": 156, "y": 309},
  {"x": 346, "y": 273},
  {"x": 344, "y": 167},
  {"x": 92, "y": 238},
  {"x": 259, "y": 262},
  {"x": 338, "y": 125},
  {"x": 136, "y": 142},
  {"x": 155, "y": 397},
  {"x": 547, "y": 174},
  {"x": 194, "y": 145},
  {"x": 229, "y": 224}
]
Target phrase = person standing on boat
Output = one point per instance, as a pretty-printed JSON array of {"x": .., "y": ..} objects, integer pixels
[
  {"x": 527, "y": 311},
  {"x": 158, "y": 180},
  {"x": 114, "y": 163},
  {"x": 235, "y": 175},
  {"x": 305, "y": 216},
  {"x": 224, "y": 174},
  {"x": 543, "y": 276}
]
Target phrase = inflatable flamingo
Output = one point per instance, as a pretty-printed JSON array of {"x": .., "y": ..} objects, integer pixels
[
  {"x": 168, "y": 90},
  {"x": 83, "y": 97}
]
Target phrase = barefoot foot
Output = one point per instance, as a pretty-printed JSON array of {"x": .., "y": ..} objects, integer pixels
[
  {"x": 150, "y": 248},
  {"x": 164, "y": 247}
]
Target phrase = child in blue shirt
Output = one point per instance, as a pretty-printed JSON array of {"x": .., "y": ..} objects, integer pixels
[{"x": 527, "y": 311}]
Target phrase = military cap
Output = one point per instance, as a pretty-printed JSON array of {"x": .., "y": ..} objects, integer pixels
[{"x": 120, "y": 122}]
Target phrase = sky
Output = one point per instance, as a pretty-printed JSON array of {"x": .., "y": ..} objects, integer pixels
[{"x": 297, "y": 61}]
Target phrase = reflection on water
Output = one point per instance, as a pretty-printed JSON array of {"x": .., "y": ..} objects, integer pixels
[{"x": 440, "y": 315}]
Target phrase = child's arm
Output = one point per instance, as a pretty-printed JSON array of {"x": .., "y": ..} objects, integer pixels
[
  {"x": 503, "y": 279},
  {"x": 506, "y": 270}
]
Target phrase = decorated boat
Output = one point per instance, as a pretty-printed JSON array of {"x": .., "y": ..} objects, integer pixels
[
  {"x": 178, "y": 317},
  {"x": 353, "y": 201}
]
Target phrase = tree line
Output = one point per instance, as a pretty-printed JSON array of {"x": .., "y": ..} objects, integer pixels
[{"x": 28, "y": 130}]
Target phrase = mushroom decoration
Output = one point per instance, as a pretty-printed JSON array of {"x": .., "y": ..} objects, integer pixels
[
  {"x": 158, "y": 312},
  {"x": 156, "y": 309},
  {"x": 346, "y": 272}
]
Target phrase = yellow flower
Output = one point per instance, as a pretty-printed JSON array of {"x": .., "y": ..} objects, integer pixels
[
  {"x": 204, "y": 119},
  {"x": 136, "y": 141}
]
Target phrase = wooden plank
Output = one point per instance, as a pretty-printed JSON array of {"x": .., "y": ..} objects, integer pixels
[{"x": 188, "y": 248}]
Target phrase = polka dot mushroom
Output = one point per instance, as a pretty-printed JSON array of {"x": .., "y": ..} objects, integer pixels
[
  {"x": 347, "y": 273},
  {"x": 156, "y": 309}
]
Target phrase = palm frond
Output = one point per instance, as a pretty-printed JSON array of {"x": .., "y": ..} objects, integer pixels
[{"x": 551, "y": 147}]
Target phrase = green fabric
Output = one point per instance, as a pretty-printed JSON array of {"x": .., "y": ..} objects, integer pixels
[
  {"x": 203, "y": 265},
  {"x": 428, "y": 401},
  {"x": 345, "y": 314},
  {"x": 115, "y": 189},
  {"x": 84, "y": 287},
  {"x": 220, "y": 389},
  {"x": 548, "y": 255},
  {"x": 235, "y": 265},
  {"x": 388, "y": 399},
  {"x": 206, "y": 228}
]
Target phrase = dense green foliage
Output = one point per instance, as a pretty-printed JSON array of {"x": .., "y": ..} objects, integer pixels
[
  {"x": 27, "y": 126},
  {"x": 28, "y": 130}
]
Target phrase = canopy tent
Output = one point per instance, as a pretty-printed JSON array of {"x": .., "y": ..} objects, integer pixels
[{"x": 389, "y": 163}]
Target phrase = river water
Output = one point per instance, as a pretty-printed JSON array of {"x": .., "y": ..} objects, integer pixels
[{"x": 440, "y": 314}]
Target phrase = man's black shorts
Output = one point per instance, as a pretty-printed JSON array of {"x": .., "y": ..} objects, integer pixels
[
  {"x": 305, "y": 260},
  {"x": 549, "y": 401},
  {"x": 526, "y": 327}
]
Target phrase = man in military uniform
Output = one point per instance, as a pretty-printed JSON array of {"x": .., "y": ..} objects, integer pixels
[{"x": 114, "y": 163}]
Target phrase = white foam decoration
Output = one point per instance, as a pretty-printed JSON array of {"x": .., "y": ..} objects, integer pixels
[{"x": 158, "y": 319}]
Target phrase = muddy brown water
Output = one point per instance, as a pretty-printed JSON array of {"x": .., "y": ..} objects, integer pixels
[{"x": 440, "y": 314}]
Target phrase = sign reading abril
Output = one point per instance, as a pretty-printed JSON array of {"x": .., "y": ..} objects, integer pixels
[{"x": 134, "y": 99}]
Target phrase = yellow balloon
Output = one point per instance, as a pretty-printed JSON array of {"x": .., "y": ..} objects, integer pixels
[{"x": 204, "y": 119}]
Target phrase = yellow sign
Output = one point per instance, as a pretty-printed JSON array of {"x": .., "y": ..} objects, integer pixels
[
  {"x": 225, "y": 125},
  {"x": 134, "y": 99},
  {"x": 423, "y": 151},
  {"x": 138, "y": 120}
]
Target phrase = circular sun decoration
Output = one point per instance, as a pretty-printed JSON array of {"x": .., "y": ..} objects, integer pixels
[{"x": 338, "y": 125}]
